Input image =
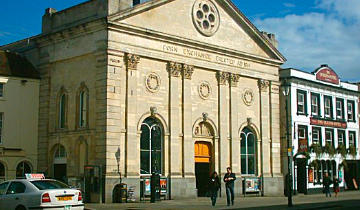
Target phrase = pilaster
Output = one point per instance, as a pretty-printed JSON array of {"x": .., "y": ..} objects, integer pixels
[
  {"x": 275, "y": 128},
  {"x": 188, "y": 143},
  {"x": 224, "y": 150},
  {"x": 175, "y": 117},
  {"x": 132, "y": 135},
  {"x": 233, "y": 115},
  {"x": 265, "y": 126}
]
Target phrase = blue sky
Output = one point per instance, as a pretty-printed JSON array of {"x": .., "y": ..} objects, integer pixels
[{"x": 310, "y": 32}]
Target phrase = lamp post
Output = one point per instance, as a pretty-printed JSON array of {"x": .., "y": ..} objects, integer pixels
[
  {"x": 117, "y": 155},
  {"x": 286, "y": 90}
]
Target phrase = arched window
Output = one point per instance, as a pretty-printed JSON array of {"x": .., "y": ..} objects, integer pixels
[
  {"x": 60, "y": 152},
  {"x": 2, "y": 172},
  {"x": 62, "y": 110},
  {"x": 22, "y": 169},
  {"x": 83, "y": 109},
  {"x": 82, "y": 106},
  {"x": 151, "y": 144},
  {"x": 248, "y": 152}
]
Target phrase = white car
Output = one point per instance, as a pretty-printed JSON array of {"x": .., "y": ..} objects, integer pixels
[{"x": 23, "y": 194}]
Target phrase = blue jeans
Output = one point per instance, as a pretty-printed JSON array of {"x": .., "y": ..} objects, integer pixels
[
  {"x": 327, "y": 191},
  {"x": 214, "y": 194},
  {"x": 230, "y": 193}
]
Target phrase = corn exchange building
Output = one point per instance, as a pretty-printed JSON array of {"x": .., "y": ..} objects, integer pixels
[{"x": 178, "y": 87}]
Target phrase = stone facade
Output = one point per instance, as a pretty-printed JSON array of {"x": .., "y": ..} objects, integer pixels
[{"x": 202, "y": 85}]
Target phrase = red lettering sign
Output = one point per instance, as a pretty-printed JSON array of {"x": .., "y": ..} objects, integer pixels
[
  {"x": 311, "y": 176},
  {"x": 303, "y": 145},
  {"x": 327, "y": 75},
  {"x": 328, "y": 123}
]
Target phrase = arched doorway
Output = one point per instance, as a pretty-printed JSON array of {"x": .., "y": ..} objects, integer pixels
[
  {"x": 60, "y": 163},
  {"x": 151, "y": 146},
  {"x": 204, "y": 163}
]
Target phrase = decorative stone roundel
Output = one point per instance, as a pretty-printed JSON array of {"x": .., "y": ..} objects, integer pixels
[
  {"x": 206, "y": 17},
  {"x": 204, "y": 90},
  {"x": 152, "y": 82},
  {"x": 248, "y": 97}
]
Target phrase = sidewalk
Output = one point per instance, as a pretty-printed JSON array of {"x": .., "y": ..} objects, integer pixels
[{"x": 318, "y": 201}]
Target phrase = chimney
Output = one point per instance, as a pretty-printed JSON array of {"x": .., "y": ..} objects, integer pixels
[
  {"x": 271, "y": 38},
  {"x": 46, "y": 20}
]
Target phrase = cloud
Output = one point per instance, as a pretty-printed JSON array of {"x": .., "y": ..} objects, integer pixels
[
  {"x": 289, "y": 5},
  {"x": 4, "y": 33},
  {"x": 331, "y": 37}
]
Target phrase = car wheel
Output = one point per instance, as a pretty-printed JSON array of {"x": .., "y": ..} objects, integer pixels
[{"x": 20, "y": 208}]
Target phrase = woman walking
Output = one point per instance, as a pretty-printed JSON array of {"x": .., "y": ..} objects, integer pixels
[
  {"x": 336, "y": 186},
  {"x": 214, "y": 186}
]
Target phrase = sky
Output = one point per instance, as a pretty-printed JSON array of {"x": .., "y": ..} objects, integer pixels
[{"x": 310, "y": 32}]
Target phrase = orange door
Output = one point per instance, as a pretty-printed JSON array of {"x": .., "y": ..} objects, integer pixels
[{"x": 202, "y": 152}]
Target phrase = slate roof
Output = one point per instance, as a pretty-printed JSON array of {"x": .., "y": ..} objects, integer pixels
[{"x": 15, "y": 65}]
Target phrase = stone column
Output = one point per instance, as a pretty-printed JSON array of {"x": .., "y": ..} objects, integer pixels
[
  {"x": 223, "y": 112},
  {"x": 132, "y": 137},
  {"x": 234, "y": 127},
  {"x": 275, "y": 128},
  {"x": 265, "y": 126},
  {"x": 175, "y": 119},
  {"x": 188, "y": 143}
]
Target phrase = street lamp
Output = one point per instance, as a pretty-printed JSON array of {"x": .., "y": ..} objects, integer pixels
[
  {"x": 117, "y": 155},
  {"x": 285, "y": 91}
]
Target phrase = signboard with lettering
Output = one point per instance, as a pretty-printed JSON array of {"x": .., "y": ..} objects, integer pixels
[
  {"x": 311, "y": 176},
  {"x": 328, "y": 123},
  {"x": 303, "y": 145},
  {"x": 327, "y": 75}
]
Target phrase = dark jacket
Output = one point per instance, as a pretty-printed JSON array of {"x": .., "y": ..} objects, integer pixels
[
  {"x": 229, "y": 183},
  {"x": 326, "y": 182},
  {"x": 214, "y": 183}
]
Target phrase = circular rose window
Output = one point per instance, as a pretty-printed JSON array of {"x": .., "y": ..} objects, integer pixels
[{"x": 206, "y": 17}]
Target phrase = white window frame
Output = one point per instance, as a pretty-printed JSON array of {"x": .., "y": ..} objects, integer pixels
[
  {"x": 316, "y": 140},
  {"x": 301, "y": 130},
  {"x": 352, "y": 138},
  {"x": 315, "y": 106},
  {"x": 342, "y": 137},
  {"x": 331, "y": 135},
  {"x": 350, "y": 112},
  {"x": 301, "y": 103},
  {"x": 327, "y": 107},
  {"x": 339, "y": 109}
]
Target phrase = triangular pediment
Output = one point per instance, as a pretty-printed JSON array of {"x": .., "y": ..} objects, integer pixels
[{"x": 215, "y": 23}]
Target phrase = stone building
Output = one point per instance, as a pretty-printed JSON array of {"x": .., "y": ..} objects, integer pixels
[
  {"x": 174, "y": 86},
  {"x": 19, "y": 105}
]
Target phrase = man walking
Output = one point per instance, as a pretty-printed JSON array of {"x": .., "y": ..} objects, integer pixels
[
  {"x": 326, "y": 185},
  {"x": 229, "y": 179}
]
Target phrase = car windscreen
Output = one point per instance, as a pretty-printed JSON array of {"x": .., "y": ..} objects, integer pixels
[{"x": 49, "y": 184}]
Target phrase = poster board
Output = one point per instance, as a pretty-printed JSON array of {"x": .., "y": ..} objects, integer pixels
[{"x": 251, "y": 185}]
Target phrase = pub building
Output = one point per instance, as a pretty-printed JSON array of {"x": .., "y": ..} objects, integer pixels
[
  {"x": 177, "y": 87},
  {"x": 324, "y": 128}
]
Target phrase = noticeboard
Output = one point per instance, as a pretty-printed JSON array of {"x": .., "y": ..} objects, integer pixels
[{"x": 251, "y": 185}]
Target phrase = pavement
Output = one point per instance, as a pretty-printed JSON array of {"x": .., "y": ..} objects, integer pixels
[{"x": 345, "y": 200}]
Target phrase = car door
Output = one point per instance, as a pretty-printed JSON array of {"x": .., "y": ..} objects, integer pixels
[
  {"x": 3, "y": 187},
  {"x": 14, "y": 195}
]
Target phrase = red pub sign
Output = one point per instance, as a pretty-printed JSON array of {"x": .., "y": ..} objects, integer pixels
[
  {"x": 328, "y": 123},
  {"x": 327, "y": 75}
]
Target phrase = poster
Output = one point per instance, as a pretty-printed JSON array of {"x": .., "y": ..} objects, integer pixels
[
  {"x": 252, "y": 184},
  {"x": 311, "y": 176},
  {"x": 163, "y": 186}
]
